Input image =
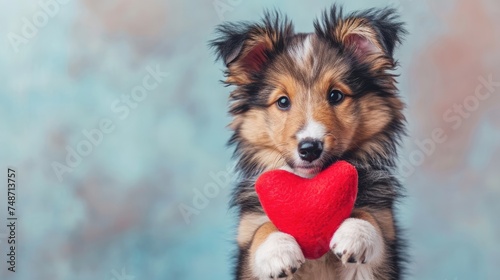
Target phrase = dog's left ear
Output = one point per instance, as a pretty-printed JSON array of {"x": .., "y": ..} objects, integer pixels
[
  {"x": 246, "y": 48},
  {"x": 368, "y": 35}
]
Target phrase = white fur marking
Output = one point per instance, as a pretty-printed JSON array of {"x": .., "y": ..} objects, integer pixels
[
  {"x": 313, "y": 129},
  {"x": 302, "y": 51},
  {"x": 279, "y": 252},
  {"x": 359, "y": 239}
]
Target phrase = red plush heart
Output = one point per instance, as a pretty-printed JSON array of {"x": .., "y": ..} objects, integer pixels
[{"x": 310, "y": 210}]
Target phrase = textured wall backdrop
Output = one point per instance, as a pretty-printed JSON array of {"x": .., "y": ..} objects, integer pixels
[{"x": 108, "y": 208}]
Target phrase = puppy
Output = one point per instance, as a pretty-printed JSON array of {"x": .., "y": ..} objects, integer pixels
[{"x": 301, "y": 102}]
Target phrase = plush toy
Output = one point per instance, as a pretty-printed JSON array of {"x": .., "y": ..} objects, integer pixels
[{"x": 310, "y": 210}]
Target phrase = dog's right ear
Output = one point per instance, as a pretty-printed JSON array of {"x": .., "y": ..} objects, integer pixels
[
  {"x": 246, "y": 48},
  {"x": 370, "y": 36}
]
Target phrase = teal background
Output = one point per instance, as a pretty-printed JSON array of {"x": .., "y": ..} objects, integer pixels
[{"x": 117, "y": 215}]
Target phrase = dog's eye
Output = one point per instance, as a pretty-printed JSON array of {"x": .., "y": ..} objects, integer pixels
[
  {"x": 335, "y": 96},
  {"x": 283, "y": 103}
]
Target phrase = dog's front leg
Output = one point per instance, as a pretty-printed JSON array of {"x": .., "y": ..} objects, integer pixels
[
  {"x": 273, "y": 254},
  {"x": 360, "y": 244}
]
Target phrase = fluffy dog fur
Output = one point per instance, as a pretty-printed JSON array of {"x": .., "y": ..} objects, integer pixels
[{"x": 347, "y": 53}]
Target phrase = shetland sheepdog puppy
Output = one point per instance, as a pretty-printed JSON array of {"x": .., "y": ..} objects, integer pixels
[{"x": 302, "y": 101}]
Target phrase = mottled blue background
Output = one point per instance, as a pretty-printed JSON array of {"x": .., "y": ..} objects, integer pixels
[{"x": 116, "y": 214}]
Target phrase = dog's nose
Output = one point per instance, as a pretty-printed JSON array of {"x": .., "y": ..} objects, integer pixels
[{"x": 310, "y": 150}]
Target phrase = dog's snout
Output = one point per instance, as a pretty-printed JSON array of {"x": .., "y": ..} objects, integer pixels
[{"x": 310, "y": 149}]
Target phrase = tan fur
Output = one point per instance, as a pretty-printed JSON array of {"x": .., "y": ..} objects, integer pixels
[
  {"x": 356, "y": 26},
  {"x": 350, "y": 27},
  {"x": 238, "y": 75},
  {"x": 376, "y": 114},
  {"x": 260, "y": 236},
  {"x": 385, "y": 220},
  {"x": 364, "y": 215},
  {"x": 326, "y": 267},
  {"x": 373, "y": 118},
  {"x": 249, "y": 223},
  {"x": 382, "y": 220},
  {"x": 253, "y": 131}
]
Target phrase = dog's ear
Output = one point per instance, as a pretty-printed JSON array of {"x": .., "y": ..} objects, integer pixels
[
  {"x": 367, "y": 35},
  {"x": 246, "y": 48}
]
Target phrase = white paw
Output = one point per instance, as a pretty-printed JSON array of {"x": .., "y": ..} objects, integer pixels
[
  {"x": 278, "y": 257},
  {"x": 357, "y": 241}
]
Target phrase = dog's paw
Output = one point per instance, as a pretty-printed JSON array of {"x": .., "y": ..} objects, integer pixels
[
  {"x": 279, "y": 257},
  {"x": 357, "y": 241}
]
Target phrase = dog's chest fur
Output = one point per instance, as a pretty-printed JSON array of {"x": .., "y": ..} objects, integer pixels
[{"x": 321, "y": 268}]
